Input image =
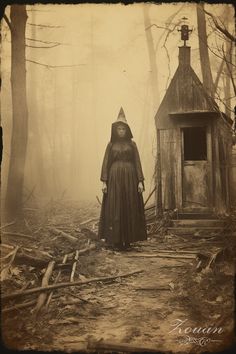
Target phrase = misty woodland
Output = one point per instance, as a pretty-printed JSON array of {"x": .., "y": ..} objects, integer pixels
[{"x": 118, "y": 177}]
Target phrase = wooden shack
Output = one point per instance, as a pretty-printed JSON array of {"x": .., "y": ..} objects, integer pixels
[{"x": 194, "y": 145}]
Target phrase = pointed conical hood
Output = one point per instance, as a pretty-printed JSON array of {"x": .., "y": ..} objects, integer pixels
[
  {"x": 121, "y": 116},
  {"x": 121, "y": 119}
]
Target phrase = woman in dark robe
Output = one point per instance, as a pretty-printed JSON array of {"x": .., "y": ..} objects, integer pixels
[{"x": 122, "y": 219}]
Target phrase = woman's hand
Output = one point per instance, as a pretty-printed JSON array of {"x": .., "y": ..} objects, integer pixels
[
  {"x": 140, "y": 187},
  {"x": 104, "y": 187}
]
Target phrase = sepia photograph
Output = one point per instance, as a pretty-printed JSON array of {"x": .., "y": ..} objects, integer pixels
[{"x": 118, "y": 177}]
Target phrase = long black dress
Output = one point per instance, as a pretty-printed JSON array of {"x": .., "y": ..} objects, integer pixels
[{"x": 122, "y": 219}]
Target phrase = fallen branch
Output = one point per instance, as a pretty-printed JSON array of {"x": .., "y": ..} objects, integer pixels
[
  {"x": 178, "y": 252},
  {"x": 74, "y": 265},
  {"x": 56, "y": 280},
  {"x": 42, "y": 297},
  {"x": 33, "y": 257},
  {"x": 88, "y": 221},
  {"x": 63, "y": 234},
  {"x": 9, "y": 224},
  {"x": 18, "y": 234},
  {"x": 66, "y": 284},
  {"x": 84, "y": 250},
  {"x": 185, "y": 256},
  {"x": 7, "y": 246}
]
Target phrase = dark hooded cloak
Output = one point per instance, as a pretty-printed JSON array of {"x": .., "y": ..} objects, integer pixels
[{"x": 122, "y": 219}]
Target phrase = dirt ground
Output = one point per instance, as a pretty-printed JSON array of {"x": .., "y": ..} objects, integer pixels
[{"x": 141, "y": 310}]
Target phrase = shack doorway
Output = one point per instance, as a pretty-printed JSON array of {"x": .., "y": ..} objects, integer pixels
[{"x": 196, "y": 169}]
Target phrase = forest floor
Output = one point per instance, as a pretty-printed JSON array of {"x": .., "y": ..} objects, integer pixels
[{"x": 183, "y": 281}]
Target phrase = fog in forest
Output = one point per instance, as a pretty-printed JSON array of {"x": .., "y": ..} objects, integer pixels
[{"x": 95, "y": 61}]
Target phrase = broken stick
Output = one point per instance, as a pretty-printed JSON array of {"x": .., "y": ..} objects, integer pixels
[
  {"x": 74, "y": 265},
  {"x": 56, "y": 280},
  {"x": 42, "y": 297},
  {"x": 18, "y": 234},
  {"x": 67, "y": 284},
  {"x": 163, "y": 255},
  {"x": 63, "y": 234},
  {"x": 88, "y": 221},
  {"x": 9, "y": 224}
]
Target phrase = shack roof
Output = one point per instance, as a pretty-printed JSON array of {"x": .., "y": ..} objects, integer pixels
[{"x": 186, "y": 95}]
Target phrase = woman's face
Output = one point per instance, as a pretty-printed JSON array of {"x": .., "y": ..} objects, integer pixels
[{"x": 121, "y": 131}]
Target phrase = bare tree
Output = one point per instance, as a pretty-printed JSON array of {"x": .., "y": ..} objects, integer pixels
[
  {"x": 1, "y": 145},
  {"x": 34, "y": 150},
  {"x": 203, "y": 49},
  {"x": 19, "y": 138},
  {"x": 152, "y": 58}
]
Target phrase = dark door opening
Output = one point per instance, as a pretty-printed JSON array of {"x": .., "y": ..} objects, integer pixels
[
  {"x": 195, "y": 144},
  {"x": 195, "y": 189}
]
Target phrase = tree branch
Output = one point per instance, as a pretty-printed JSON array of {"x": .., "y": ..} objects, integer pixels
[
  {"x": 229, "y": 71},
  {"x": 7, "y": 21},
  {"x": 168, "y": 23},
  {"x": 154, "y": 25},
  {"x": 53, "y": 66},
  {"x": 217, "y": 55},
  {"x": 38, "y": 40},
  {"x": 52, "y": 46},
  {"x": 167, "y": 53},
  {"x": 220, "y": 28},
  {"x": 45, "y": 26},
  {"x": 219, "y": 72},
  {"x": 223, "y": 102}
]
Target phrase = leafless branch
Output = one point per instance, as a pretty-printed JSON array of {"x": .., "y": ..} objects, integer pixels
[
  {"x": 223, "y": 102},
  {"x": 218, "y": 56},
  {"x": 53, "y": 66},
  {"x": 42, "y": 47},
  {"x": 7, "y": 21},
  {"x": 169, "y": 31},
  {"x": 219, "y": 72},
  {"x": 220, "y": 28},
  {"x": 229, "y": 71},
  {"x": 154, "y": 25},
  {"x": 44, "y": 26},
  {"x": 38, "y": 40},
  {"x": 214, "y": 29},
  {"x": 169, "y": 23}
]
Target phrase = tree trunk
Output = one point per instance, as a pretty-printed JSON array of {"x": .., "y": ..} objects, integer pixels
[
  {"x": 154, "y": 89},
  {"x": 229, "y": 69},
  {"x": 152, "y": 59},
  {"x": 1, "y": 145},
  {"x": 227, "y": 88},
  {"x": 19, "y": 136},
  {"x": 203, "y": 48},
  {"x": 34, "y": 152}
]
